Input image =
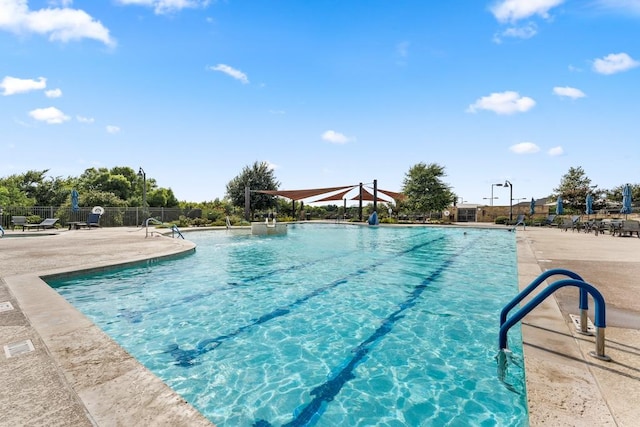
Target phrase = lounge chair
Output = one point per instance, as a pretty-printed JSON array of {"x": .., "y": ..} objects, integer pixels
[
  {"x": 93, "y": 220},
  {"x": 548, "y": 221},
  {"x": 614, "y": 226},
  {"x": 18, "y": 221},
  {"x": 570, "y": 223},
  {"x": 520, "y": 221},
  {"x": 47, "y": 223},
  {"x": 629, "y": 227}
]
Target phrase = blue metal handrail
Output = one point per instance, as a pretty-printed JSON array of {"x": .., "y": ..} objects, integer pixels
[
  {"x": 175, "y": 229},
  {"x": 600, "y": 313},
  {"x": 584, "y": 299}
]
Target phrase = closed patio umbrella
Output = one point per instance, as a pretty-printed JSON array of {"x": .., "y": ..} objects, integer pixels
[
  {"x": 559, "y": 208},
  {"x": 626, "y": 200},
  {"x": 589, "y": 205},
  {"x": 532, "y": 207},
  {"x": 74, "y": 201}
]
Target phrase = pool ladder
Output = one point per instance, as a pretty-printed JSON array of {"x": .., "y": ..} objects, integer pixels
[
  {"x": 174, "y": 228},
  {"x": 574, "y": 280}
]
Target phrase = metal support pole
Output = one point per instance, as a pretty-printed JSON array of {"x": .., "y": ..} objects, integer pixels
[
  {"x": 360, "y": 206},
  {"x": 507, "y": 182},
  {"x": 375, "y": 195}
]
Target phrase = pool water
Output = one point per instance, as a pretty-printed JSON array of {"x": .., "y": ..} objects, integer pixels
[{"x": 329, "y": 325}]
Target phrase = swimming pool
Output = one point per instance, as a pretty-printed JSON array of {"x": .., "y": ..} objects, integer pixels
[{"x": 329, "y": 325}]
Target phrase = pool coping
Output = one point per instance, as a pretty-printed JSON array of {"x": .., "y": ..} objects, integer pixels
[
  {"x": 77, "y": 375},
  {"x": 90, "y": 380}
]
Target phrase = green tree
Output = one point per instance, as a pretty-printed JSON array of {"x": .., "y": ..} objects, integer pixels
[
  {"x": 425, "y": 190},
  {"x": 11, "y": 193},
  {"x": 574, "y": 187},
  {"x": 162, "y": 197},
  {"x": 615, "y": 194},
  {"x": 100, "y": 198},
  {"x": 34, "y": 188},
  {"x": 259, "y": 176}
]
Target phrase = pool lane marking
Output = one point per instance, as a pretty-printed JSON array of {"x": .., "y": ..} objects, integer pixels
[
  {"x": 327, "y": 391},
  {"x": 185, "y": 358},
  {"x": 135, "y": 316}
]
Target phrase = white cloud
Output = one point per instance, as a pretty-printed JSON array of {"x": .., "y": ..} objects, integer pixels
[
  {"x": 523, "y": 32},
  {"x": 50, "y": 115},
  {"x": 61, "y": 24},
  {"x": 230, "y": 71},
  {"x": 277, "y": 112},
  {"x": 13, "y": 85},
  {"x": 53, "y": 93},
  {"x": 335, "y": 137},
  {"x": 112, "y": 129},
  {"x": 614, "y": 63},
  {"x": 524, "y": 148},
  {"x": 624, "y": 6},
  {"x": 508, "y": 102},
  {"x": 272, "y": 166},
  {"x": 167, "y": 6},
  {"x": 569, "y": 92},
  {"x": 516, "y": 10},
  {"x": 82, "y": 119},
  {"x": 556, "y": 151}
]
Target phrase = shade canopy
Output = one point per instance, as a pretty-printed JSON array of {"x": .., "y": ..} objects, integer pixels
[
  {"x": 302, "y": 194},
  {"x": 335, "y": 194}
]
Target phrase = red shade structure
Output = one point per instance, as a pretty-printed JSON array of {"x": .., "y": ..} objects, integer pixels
[
  {"x": 339, "y": 193},
  {"x": 303, "y": 194}
]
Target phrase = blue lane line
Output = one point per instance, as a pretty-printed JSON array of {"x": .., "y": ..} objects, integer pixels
[
  {"x": 327, "y": 391},
  {"x": 186, "y": 358},
  {"x": 136, "y": 316}
]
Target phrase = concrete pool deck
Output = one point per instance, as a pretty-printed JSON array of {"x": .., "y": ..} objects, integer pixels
[{"x": 77, "y": 376}]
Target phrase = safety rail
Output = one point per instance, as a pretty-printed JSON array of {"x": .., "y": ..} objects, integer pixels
[
  {"x": 583, "y": 305},
  {"x": 600, "y": 312},
  {"x": 175, "y": 229}
]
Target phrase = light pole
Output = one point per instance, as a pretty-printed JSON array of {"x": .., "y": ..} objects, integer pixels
[
  {"x": 508, "y": 183},
  {"x": 491, "y": 198},
  {"x": 143, "y": 175},
  {"x": 494, "y": 185}
]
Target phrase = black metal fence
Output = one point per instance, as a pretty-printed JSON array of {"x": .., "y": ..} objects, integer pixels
[{"x": 111, "y": 217}]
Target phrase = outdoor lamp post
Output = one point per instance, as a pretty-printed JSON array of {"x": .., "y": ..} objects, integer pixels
[
  {"x": 143, "y": 175},
  {"x": 508, "y": 183},
  {"x": 494, "y": 185}
]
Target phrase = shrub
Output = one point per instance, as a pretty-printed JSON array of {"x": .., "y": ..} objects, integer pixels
[
  {"x": 502, "y": 220},
  {"x": 34, "y": 219}
]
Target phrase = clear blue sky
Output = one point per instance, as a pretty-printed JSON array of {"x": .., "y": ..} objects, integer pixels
[{"x": 330, "y": 92}]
